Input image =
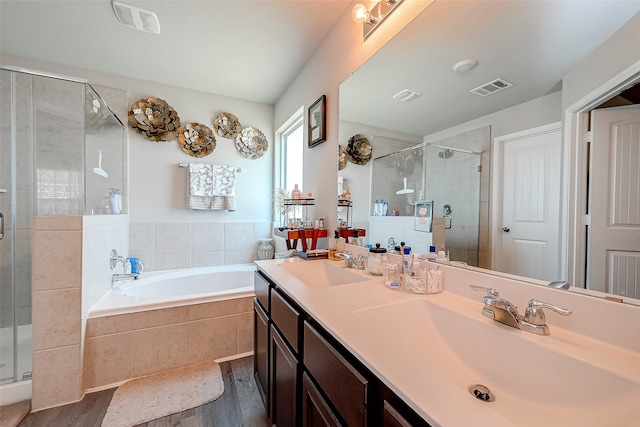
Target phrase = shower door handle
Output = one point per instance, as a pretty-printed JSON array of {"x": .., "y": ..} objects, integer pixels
[{"x": 1, "y": 226}]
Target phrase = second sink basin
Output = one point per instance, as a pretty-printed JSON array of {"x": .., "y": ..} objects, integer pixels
[
  {"x": 323, "y": 273},
  {"x": 533, "y": 383}
]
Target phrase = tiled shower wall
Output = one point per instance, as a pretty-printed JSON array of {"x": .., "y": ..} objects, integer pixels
[{"x": 167, "y": 246}]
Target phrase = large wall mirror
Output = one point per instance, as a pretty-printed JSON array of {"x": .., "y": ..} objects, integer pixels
[{"x": 516, "y": 55}]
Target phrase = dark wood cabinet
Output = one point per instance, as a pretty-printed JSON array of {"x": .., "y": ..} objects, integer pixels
[
  {"x": 285, "y": 379},
  {"x": 307, "y": 378},
  {"x": 316, "y": 412},
  {"x": 261, "y": 351}
]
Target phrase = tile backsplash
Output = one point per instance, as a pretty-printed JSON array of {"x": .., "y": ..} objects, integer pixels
[{"x": 167, "y": 246}]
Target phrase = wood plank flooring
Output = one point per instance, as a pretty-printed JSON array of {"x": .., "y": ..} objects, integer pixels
[{"x": 240, "y": 405}]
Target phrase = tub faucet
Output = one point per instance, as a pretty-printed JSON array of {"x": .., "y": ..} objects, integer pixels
[
  {"x": 501, "y": 310},
  {"x": 115, "y": 278},
  {"x": 351, "y": 262}
]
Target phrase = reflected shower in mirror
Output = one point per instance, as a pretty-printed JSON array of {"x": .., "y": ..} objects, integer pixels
[{"x": 447, "y": 176}]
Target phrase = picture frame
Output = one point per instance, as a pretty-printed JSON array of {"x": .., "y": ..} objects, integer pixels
[{"x": 317, "y": 122}]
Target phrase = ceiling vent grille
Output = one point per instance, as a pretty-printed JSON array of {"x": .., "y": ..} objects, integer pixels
[
  {"x": 406, "y": 95},
  {"x": 492, "y": 87},
  {"x": 136, "y": 18}
]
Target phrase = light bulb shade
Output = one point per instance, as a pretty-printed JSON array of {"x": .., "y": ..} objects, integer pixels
[{"x": 359, "y": 13}]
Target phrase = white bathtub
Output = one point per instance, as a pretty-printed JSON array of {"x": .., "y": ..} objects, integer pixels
[{"x": 171, "y": 288}]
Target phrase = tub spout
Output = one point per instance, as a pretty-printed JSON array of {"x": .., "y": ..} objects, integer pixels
[{"x": 115, "y": 278}]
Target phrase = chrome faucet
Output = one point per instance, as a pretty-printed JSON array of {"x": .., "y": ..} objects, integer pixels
[
  {"x": 501, "y": 310},
  {"x": 113, "y": 263},
  {"x": 350, "y": 262}
]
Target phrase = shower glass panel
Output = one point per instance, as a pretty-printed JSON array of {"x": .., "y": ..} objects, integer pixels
[
  {"x": 453, "y": 183},
  {"x": 388, "y": 180},
  {"x": 53, "y": 132}
]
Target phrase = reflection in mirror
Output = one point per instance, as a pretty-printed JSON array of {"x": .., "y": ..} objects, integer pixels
[{"x": 420, "y": 58}]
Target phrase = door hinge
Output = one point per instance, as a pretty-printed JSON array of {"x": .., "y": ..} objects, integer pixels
[
  {"x": 586, "y": 220},
  {"x": 480, "y": 168},
  {"x": 587, "y": 137}
]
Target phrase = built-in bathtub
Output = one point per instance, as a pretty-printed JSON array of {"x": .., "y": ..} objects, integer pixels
[
  {"x": 169, "y": 319},
  {"x": 171, "y": 288}
]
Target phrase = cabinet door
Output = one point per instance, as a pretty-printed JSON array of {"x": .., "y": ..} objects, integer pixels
[
  {"x": 393, "y": 418},
  {"x": 315, "y": 410},
  {"x": 261, "y": 351},
  {"x": 396, "y": 413},
  {"x": 339, "y": 380},
  {"x": 285, "y": 370}
]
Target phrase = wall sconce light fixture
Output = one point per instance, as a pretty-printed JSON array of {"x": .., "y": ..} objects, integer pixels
[{"x": 371, "y": 19}]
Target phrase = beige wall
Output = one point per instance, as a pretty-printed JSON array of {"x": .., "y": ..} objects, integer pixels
[
  {"x": 156, "y": 184},
  {"x": 341, "y": 53}
]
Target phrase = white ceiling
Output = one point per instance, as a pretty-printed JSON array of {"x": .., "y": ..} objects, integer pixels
[
  {"x": 253, "y": 49},
  {"x": 247, "y": 49},
  {"x": 532, "y": 44}
]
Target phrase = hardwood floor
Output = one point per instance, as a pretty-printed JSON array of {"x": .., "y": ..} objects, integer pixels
[{"x": 240, "y": 405}]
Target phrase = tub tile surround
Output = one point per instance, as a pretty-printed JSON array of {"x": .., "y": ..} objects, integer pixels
[
  {"x": 70, "y": 274},
  {"x": 168, "y": 246},
  {"x": 125, "y": 346}
]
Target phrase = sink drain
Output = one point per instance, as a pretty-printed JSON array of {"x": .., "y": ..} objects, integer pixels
[{"x": 481, "y": 392}]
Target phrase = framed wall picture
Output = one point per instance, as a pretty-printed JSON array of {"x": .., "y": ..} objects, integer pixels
[{"x": 317, "y": 121}]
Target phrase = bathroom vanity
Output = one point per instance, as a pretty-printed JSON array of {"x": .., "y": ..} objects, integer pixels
[{"x": 333, "y": 346}]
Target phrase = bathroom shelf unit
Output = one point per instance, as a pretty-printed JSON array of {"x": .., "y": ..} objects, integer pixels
[
  {"x": 297, "y": 212},
  {"x": 345, "y": 207},
  {"x": 308, "y": 237}
]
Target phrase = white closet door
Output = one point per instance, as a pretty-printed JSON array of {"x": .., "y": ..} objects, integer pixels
[
  {"x": 531, "y": 204},
  {"x": 614, "y": 233}
]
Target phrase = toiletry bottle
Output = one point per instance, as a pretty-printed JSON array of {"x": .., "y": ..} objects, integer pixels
[
  {"x": 113, "y": 201},
  {"x": 295, "y": 193},
  {"x": 385, "y": 208},
  {"x": 431, "y": 256},
  {"x": 376, "y": 207},
  {"x": 442, "y": 256},
  {"x": 333, "y": 243}
]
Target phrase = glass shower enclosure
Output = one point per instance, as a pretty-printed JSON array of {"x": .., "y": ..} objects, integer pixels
[
  {"x": 449, "y": 177},
  {"x": 62, "y": 152}
]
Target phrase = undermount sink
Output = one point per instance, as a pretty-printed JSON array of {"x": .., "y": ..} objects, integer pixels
[
  {"x": 323, "y": 273},
  {"x": 532, "y": 382}
]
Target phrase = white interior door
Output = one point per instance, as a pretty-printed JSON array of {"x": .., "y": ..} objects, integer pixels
[
  {"x": 528, "y": 220},
  {"x": 613, "y": 256}
]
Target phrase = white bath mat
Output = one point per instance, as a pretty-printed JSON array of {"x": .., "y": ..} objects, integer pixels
[{"x": 155, "y": 396}]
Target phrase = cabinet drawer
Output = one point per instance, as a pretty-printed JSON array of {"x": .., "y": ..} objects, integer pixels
[
  {"x": 343, "y": 385},
  {"x": 261, "y": 288},
  {"x": 287, "y": 319}
]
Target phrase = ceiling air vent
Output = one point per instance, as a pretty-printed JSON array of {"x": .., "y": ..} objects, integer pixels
[
  {"x": 491, "y": 87},
  {"x": 136, "y": 18},
  {"x": 406, "y": 95}
]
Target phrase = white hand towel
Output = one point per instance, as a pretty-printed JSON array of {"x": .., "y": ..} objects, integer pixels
[{"x": 211, "y": 187}]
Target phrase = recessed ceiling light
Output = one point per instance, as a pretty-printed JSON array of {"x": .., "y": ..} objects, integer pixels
[{"x": 465, "y": 65}]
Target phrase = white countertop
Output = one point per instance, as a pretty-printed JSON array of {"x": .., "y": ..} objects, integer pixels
[{"x": 390, "y": 350}]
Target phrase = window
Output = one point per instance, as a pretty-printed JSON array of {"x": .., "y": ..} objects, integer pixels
[{"x": 289, "y": 163}]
